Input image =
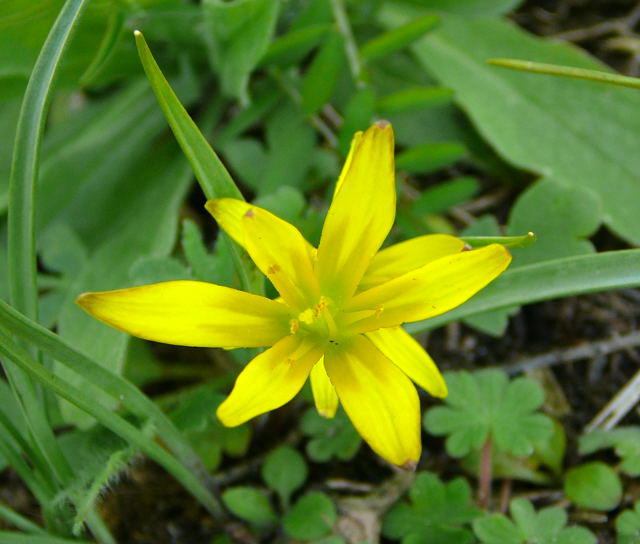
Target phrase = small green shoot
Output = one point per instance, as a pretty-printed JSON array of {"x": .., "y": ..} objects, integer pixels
[
  {"x": 312, "y": 517},
  {"x": 436, "y": 512},
  {"x": 284, "y": 470},
  {"x": 593, "y": 485},
  {"x": 628, "y": 526},
  {"x": 329, "y": 437},
  {"x": 526, "y": 526},
  {"x": 487, "y": 404},
  {"x": 624, "y": 440}
]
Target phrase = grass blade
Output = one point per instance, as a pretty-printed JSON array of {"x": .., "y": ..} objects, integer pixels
[
  {"x": 550, "y": 279},
  {"x": 214, "y": 179},
  {"x": 22, "y": 523},
  {"x": 21, "y": 251},
  {"x": 116, "y": 386},
  {"x": 136, "y": 438}
]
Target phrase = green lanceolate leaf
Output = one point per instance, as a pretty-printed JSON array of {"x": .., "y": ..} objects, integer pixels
[
  {"x": 214, "y": 179},
  {"x": 550, "y": 279},
  {"x": 486, "y": 404},
  {"x": 398, "y": 38},
  {"x": 321, "y": 78}
]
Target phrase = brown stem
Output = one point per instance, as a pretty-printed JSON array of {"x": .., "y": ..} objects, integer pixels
[
  {"x": 505, "y": 495},
  {"x": 484, "y": 488}
]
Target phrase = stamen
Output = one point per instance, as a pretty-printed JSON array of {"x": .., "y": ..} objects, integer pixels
[
  {"x": 294, "y": 326},
  {"x": 273, "y": 269}
]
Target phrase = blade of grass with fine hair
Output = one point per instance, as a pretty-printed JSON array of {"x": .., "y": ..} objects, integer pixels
[
  {"x": 114, "y": 385},
  {"x": 214, "y": 179},
  {"x": 547, "y": 280},
  {"x": 21, "y": 255},
  {"x": 136, "y": 438},
  {"x": 20, "y": 522}
]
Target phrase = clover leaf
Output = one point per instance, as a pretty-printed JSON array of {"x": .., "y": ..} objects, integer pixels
[
  {"x": 435, "y": 513},
  {"x": 628, "y": 526},
  {"x": 526, "y": 525},
  {"x": 284, "y": 470},
  {"x": 330, "y": 438},
  {"x": 593, "y": 485},
  {"x": 624, "y": 440},
  {"x": 487, "y": 404}
]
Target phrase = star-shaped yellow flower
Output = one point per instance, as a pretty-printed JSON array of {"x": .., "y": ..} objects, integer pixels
[{"x": 340, "y": 308}]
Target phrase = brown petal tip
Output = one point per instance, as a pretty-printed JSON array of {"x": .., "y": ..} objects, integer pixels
[
  {"x": 409, "y": 465},
  {"x": 382, "y": 123}
]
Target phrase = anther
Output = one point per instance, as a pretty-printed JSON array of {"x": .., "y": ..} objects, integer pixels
[{"x": 294, "y": 326}]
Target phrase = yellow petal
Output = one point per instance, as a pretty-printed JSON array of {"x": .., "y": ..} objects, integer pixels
[
  {"x": 360, "y": 215},
  {"x": 324, "y": 393},
  {"x": 191, "y": 313},
  {"x": 270, "y": 380},
  {"x": 283, "y": 255},
  {"x": 380, "y": 400},
  {"x": 355, "y": 142},
  {"x": 228, "y": 214},
  {"x": 401, "y": 258},
  {"x": 410, "y": 357},
  {"x": 428, "y": 291}
]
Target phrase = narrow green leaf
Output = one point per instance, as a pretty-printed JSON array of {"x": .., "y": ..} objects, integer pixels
[
  {"x": 112, "y": 421},
  {"x": 551, "y": 279},
  {"x": 321, "y": 78},
  {"x": 415, "y": 98},
  {"x": 20, "y": 522},
  {"x": 398, "y": 37},
  {"x": 430, "y": 157},
  {"x": 110, "y": 383},
  {"x": 567, "y": 71},
  {"x": 21, "y": 252},
  {"x": 292, "y": 47},
  {"x": 507, "y": 241},
  {"x": 215, "y": 180},
  {"x": 9, "y": 537},
  {"x": 113, "y": 32}
]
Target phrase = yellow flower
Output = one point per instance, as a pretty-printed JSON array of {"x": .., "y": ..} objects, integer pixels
[{"x": 340, "y": 308}]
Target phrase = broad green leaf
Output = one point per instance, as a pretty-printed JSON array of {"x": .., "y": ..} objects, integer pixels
[
  {"x": 444, "y": 196},
  {"x": 320, "y": 80},
  {"x": 329, "y": 438},
  {"x": 284, "y": 470},
  {"x": 593, "y": 485},
  {"x": 574, "y": 131},
  {"x": 571, "y": 215},
  {"x": 249, "y": 504},
  {"x": 311, "y": 517},
  {"x": 487, "y": 404},
  {"x": 239, "y": 33},
  {"x": 425, "y": 158},
  {"x": 154, "y": 193},
  {"x": 475, "y": 7},
  {"x": 287, "y": 203},
  {"x": 148, "y": 270},
  {"x": 436, "y": 512},
  {"x": 398, "y": 38},
  {"x": 625, "y": 441},
  {"x": 547, "y": 280},
  {"x": 628, "y": 526}
]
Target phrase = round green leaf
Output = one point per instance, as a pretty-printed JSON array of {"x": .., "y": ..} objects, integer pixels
[
  {"x": 284, "y": 471},
  {"x": 312, "y": 517},
  {"x": 249, "y": 504},
  {"x": 593, "y": 485}
]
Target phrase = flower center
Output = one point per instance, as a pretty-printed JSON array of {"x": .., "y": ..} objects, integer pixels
[{"x": 319, "y": 321}]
